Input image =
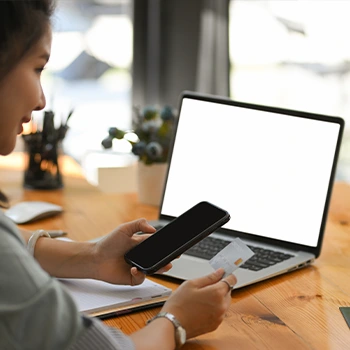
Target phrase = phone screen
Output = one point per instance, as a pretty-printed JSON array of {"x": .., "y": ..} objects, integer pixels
[{"x": 195, "y": 223}]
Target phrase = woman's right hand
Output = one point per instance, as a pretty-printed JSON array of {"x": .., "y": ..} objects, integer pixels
[{"x": 200, "y": 304}]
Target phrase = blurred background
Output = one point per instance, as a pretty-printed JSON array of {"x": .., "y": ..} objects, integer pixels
[{"x": 110, "y": 55}]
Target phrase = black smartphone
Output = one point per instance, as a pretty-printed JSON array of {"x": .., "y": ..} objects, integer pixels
[{"x": 176, "y": 237}]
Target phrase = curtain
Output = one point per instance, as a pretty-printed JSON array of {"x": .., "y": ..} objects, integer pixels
[
  {"x": 213, "y": 64},
  {"x": 179, "y": 45}
]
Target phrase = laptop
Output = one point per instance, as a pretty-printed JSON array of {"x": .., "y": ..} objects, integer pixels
[{"x": 272, "y": 169}]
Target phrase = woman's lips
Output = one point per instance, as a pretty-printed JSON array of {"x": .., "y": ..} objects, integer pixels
[{"x": 24, "y": 120}]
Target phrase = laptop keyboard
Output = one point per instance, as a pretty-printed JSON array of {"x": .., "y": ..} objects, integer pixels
[{"x": 210, "y": 246}]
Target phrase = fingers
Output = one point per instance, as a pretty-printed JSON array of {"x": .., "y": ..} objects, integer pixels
[
  {"x": 229, "y": 282},
  {"x": 136, "y": 276},
  {"x": 226, "y": 284},
  {"x": 232, "y": 279},
  {"x": 130, "y": 228},
  {"x": 165, "y": 268},
  {"x": 210, "y": 279},
  {"x": 140, "y": 238}
]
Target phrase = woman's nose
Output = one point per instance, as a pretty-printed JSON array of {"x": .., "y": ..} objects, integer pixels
[{"x": 42, "y": 101}]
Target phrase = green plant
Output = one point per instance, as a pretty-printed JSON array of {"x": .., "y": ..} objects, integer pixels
[{"x": 153, "y": 129}]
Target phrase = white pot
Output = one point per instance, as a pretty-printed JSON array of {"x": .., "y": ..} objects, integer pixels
[{"x": 150, "y": 182}]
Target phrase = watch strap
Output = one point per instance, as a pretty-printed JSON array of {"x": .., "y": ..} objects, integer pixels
[{"x": 176, "y": 324}]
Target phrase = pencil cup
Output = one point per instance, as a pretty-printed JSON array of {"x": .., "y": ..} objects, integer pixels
[{"x": 42, "y": 158}]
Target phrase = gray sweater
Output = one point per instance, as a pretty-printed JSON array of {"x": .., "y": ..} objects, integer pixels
[{"x": 36, "y": 312}]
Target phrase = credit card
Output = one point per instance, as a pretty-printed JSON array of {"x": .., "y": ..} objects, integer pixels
[{"x": 231, "y": 257}]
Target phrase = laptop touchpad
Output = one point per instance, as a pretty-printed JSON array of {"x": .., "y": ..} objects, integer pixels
[{"x": 188, "y": 267}]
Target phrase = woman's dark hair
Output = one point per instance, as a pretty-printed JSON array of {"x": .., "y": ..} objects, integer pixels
[{"x": 22, "y": 24}]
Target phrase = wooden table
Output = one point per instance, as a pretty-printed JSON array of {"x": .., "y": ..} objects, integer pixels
[{"x": 296, "y": 311}]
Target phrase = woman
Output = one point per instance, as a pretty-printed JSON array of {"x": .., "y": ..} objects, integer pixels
[{"x": 35, "y": 310}]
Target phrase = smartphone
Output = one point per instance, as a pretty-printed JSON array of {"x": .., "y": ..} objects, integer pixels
[{"x": 175, "y": 238}]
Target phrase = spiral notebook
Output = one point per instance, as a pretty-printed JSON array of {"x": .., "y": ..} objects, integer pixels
[{"x": 103, "y": 300}]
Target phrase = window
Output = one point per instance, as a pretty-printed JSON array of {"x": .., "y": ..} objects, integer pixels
[
  {"x": 90, "y": 71},
  {"x": 293, "y": 54}
]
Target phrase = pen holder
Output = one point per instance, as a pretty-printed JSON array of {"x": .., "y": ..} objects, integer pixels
[{"x": 42, "y": 166}]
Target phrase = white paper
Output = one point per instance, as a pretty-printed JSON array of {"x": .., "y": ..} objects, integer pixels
[{"x": 92, "y": 295}]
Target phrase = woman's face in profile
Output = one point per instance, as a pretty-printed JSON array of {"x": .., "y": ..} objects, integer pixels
[{"x": 21, "y": 93}]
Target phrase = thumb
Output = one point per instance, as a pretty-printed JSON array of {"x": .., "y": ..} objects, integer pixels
[
  {"x": 210, "y": 279},
  {"x": 139, "y": 225}
]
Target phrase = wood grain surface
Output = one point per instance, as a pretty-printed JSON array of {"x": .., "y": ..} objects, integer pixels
[{"x": 299, "y": 310}]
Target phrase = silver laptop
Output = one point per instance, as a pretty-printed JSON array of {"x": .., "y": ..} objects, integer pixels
[{"x": 272, "y": 169}]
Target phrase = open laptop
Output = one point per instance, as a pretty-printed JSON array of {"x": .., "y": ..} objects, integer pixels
[{"x": 272, "y": 169}]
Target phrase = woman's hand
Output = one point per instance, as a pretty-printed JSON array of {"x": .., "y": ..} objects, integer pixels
[
  {"x": 200, "y": 304},
  {"x": 109, "y": 253}
]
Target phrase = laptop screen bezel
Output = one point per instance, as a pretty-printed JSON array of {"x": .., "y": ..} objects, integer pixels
[{"x": 223, "y": 100}]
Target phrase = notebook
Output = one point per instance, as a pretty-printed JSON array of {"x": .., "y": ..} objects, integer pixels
[
  {"x": 103, "y": 300},
  {"x": 272, "y": 169}
]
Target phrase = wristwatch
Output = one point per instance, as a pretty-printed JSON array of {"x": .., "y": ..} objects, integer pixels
[{"x": 180, "y": 332}]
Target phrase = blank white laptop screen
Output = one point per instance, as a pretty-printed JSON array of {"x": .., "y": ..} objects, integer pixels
[{"x": 269, "y": 171}]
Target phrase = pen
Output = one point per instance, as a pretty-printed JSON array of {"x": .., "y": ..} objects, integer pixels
[{"x": 56, "y": 233}]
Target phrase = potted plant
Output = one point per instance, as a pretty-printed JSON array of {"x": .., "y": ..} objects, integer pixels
[{"x": 150, "y": 139}]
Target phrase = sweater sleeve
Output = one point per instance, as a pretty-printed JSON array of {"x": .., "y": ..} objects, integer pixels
[
  {"x": 99, "y": 336},
  {"x": 36, "y": 311}
]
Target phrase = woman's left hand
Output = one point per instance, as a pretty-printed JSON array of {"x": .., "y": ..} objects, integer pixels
[{"x": 109, "y": 253}]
